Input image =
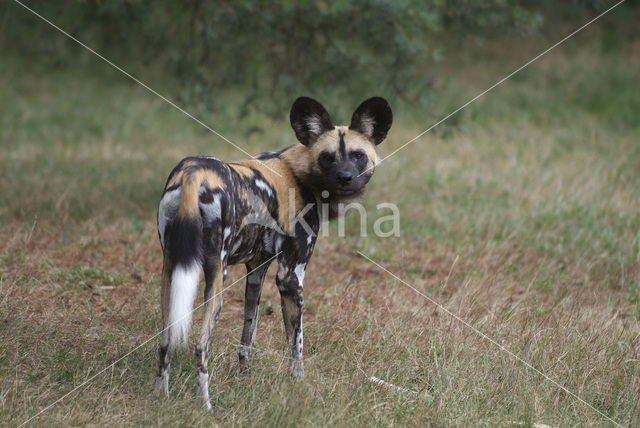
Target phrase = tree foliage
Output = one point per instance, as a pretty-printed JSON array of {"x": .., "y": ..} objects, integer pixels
[
  {"x": 350, "y": 49},
  {"x": 270, "y": 52}
]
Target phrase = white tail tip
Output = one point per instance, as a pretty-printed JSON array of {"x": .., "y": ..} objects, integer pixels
[{"x": 182, "y": 293}]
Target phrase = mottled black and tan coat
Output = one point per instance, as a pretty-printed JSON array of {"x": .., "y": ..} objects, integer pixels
[{"x": 213, "y": 214}]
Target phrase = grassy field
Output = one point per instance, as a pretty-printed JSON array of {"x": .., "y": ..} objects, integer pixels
[{"x": 521, "y": 215}]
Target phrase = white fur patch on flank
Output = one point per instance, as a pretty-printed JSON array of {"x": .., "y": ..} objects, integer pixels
[
  {"x": 182, "y": 293},
  {"x": 211, "y": 211},
  {"x": 167, "y": 210},
  {"x": 367, "y": 123},
  {"x": 226, "y": 233},
  {"x": 300, "y": 271},
  {"x": 264, "y": 186},
  {"x": 313, "y": 122}
]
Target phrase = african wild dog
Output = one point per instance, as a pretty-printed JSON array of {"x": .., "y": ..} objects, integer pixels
[{"x": 213, "y": 214}]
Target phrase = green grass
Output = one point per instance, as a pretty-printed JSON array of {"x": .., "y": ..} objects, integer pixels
[{"x": 521, "y": 215}]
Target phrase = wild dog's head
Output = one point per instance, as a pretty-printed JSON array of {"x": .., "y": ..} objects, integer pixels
[{"x": 339, "y": 159}]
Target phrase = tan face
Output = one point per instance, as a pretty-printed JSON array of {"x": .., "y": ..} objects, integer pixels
[
  {"x": 344, "y": 160},
  {"x": 340, "y": 159}
]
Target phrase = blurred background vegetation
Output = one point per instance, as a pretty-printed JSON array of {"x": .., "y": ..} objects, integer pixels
[
  {"x": 263, "y": 53},
  {"x": 237, "y": 66}
]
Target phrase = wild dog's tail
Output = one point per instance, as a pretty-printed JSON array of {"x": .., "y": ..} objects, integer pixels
[{"x": 183, "y": 259}]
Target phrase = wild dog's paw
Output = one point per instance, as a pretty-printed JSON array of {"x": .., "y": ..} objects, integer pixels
[
  {"x": 161, "y": 389},
  {"x": 297, "y": 369},
  {"x": 202, "y": 392}
]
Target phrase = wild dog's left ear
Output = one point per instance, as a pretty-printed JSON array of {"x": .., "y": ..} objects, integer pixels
[
  {"x": 309, "y": 120},
  {"x": 373, "y": 118}
]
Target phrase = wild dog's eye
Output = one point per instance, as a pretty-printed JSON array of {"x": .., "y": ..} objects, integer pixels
[
  {"x": 326, "y": 158},
  {"x": 357, "y": 155}
]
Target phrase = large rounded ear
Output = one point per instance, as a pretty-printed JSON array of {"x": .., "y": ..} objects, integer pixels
[
  {"x": 309, "y": 120},
  {"x": 373, "y": 118}
]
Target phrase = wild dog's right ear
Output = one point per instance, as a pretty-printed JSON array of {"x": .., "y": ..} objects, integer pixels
[
  {"x": 373, "y": 118},
  {"x": 309, "y": 120}
]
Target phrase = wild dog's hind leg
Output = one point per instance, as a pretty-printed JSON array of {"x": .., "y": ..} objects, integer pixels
[
  {"x": 166, "y": 213},
  {"x": 289, "y": 281},
  {"x": 255, "y": 279},
  {"x": 214, "y": 278},
  {"x": 164, "y": 351},
  {"x": 215, "y": 272}
]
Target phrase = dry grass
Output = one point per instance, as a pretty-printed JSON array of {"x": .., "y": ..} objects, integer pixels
[
  {"x": 359, "y": 323},
  {"x": 521, "y": 216}
]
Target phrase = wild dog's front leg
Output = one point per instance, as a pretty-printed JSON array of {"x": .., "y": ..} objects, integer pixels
[
  {"x": 255, "y": 278},
  {"x": 289, "y": 281}
]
